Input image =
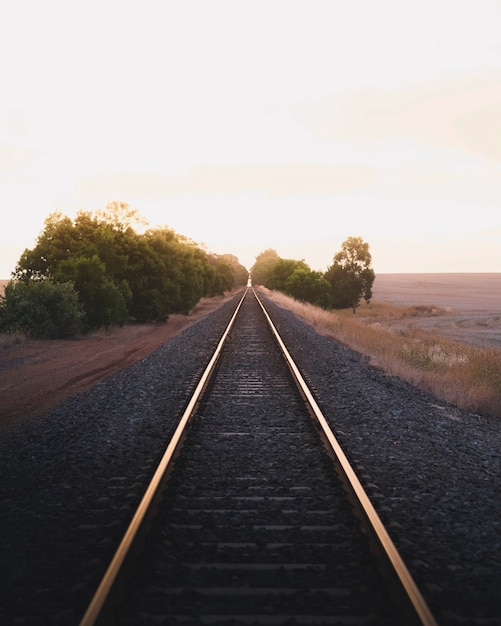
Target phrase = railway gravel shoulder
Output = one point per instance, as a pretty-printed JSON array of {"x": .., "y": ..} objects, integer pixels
[
  {"x": 72, "y": 477},
  {"x": 432, "y": 471}
]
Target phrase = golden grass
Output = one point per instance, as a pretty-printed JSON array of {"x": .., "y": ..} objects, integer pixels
[{"x": 456, "y": 372}]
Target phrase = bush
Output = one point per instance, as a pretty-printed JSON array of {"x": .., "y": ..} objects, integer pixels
[
  {"x": 43, "y": 309},
  {"x": 306, "y": 285}
]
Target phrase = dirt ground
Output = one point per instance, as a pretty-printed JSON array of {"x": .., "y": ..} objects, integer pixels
[{"x": 37, "y": 375}]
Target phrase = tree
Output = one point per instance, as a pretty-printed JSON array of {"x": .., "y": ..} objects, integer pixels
[
  {"x": 351, "y": 277},
  {"x": 149, "y": 282},
  {"x": 260, "y": 271},
  {"x": 57, "y": 242},
  {"x": 240, "y": 273},
  {"x": 104, "y": 302},
  {"x": 218, "y": 276},
  {"x": 120, "y": 216},
  {"x": 118, "y": 273},
  {"x": 281, "y": 271},
  {"x": 309, "y": 286}
]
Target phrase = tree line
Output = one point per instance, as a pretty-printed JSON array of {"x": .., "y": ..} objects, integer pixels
[
  {"x": 343, "y": 285},
  {"x": 97, "y": 271}
]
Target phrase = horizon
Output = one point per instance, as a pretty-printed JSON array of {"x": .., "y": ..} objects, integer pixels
[
  {"x": 6, "y": 280},
  {"x": 289, "y": 126}
]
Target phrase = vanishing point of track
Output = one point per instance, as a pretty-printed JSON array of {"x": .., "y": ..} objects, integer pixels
[{"x": 254, "y": 514}]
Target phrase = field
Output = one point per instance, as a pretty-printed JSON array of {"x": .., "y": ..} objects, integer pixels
[
  {"x": 468, "y": 292},
  {"x": 463, "y": 307}
]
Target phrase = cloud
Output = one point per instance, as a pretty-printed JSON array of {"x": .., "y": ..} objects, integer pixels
[
  {"x": 270, "y": 180},
  {"x": 463, "y": 114}
]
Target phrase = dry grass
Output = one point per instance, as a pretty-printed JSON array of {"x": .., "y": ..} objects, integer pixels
[{"x": 465, "y": 375}]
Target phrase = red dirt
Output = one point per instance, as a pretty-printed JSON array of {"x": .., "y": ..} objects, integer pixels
[{"x": 36, "y": 375}]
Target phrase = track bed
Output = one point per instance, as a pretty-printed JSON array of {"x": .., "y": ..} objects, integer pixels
[{"x": 255, "y": 526}]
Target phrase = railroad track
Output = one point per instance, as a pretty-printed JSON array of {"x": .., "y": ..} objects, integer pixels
[{"x": 254, "y": 515}]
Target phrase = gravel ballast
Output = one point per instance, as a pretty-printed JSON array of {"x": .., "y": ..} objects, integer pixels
[{"x": 71, "y": 478}]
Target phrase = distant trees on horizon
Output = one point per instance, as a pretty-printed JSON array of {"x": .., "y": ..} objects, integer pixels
[
  {"x": 343, "y": 285},
  {"x": 97, "y": 271}
]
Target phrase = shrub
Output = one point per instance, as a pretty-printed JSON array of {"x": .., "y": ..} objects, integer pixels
[
  {"x": 42, "y": 309},
  {"x": 307, "y": 285}
]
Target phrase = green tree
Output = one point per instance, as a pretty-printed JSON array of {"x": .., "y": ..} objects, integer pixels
[
  {"x": 149, "y": 282},
  {"x": 281, "y": 271},
  {"x": 239, "y": 272},
  {"x": 104, "y": 302},
  {"x": 165, "y": 243},
  {"x": 264, "y": 263},
  {"x": 102, "y": 238},
  {"x": 351, "y": 277},
  {"x": 57, "y": 242},
  {"x": 218, "y": 276},
  {"x": 118, "y": 273},
  {"x": 309, "y": 286},
  {"x": 194, "y": 284}
]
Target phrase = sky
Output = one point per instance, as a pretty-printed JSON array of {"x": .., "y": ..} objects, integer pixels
[{"x": 250, "y": 125}]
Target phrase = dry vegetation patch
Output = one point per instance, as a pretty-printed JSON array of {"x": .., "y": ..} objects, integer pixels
[{"x": 456, "y": 371}]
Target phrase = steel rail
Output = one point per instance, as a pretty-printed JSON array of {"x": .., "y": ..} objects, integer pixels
[
  {"x": 95, "y": 608},
  {"x": 416, "y": 602}
]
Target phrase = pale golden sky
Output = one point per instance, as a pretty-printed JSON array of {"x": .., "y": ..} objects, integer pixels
[{"x": 262, "y": 124}]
